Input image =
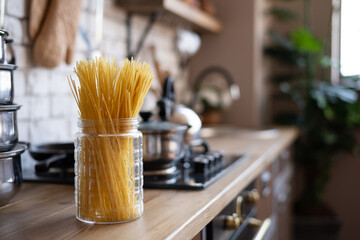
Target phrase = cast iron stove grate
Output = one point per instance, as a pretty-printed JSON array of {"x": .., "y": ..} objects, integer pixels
[{"x": 194, "y": 176}]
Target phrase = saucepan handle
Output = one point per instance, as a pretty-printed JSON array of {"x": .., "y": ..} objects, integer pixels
[
  {"x": 203, "y": 145},
  {"x": 45, "y": 164}
]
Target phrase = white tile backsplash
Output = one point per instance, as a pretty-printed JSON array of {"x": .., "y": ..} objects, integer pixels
[
  {"x": 20, "y": 84},
  {"x": 59, "y": 83},
  {"x": 24, "y": 113},
  {"x": 23, "y": 57},
  {"x": 26, "y": 38},
  {"x": 47, "y": 130},
  {"x": 61, "y": 106},
  {"x": 23, "y": 130},
  {"x": 15, "y": 29},
  {"x": 39, "y": 108},
  {"x": 17, "y": 8},
  {"x": 39, "y": 82}
]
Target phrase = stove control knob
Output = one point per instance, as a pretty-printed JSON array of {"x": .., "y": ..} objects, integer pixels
[
  {"x": 218, "y": 161},
  {"x": 200, "y": 164},
  {"x": 212, "y": 162},
  {"x": 218, "y": 156},
  {"x": 252, "y": 196},
  {"x": 232, "y": 222}
]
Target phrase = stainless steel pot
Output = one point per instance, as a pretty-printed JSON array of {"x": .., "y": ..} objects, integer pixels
[
  {"x": 8, "y": 130},
  {"x": 163, "y": 142},
  {"x": 6, "y": 83},
  {"x": 10, "y": 173}
]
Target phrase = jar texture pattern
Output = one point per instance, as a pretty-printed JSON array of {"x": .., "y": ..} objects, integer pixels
[{"x": 108, "y": 171}]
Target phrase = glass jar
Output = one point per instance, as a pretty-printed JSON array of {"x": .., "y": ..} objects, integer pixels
[{"x": 108, "y": 171}]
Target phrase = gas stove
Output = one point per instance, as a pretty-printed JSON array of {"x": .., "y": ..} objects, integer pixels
[{"x": 195, "y": 171}]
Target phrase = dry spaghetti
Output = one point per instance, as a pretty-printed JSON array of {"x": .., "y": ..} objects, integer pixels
[{"x": 109, "y": 98}]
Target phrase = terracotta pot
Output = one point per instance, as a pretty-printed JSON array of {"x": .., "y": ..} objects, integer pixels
[{"x": 211, "y": 117}]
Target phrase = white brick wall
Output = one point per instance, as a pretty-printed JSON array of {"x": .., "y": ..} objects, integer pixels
[
  {"x": 15, "y": 28},
  {"x": 17, "y": 8},
  {"x": 48, "y": 112},
  {"x": 20, "y": 83}
]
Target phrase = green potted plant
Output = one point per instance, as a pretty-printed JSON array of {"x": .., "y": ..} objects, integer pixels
[{"x": 326, "y": 115}]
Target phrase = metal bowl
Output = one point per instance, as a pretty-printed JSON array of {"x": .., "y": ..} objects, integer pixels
[
  {"x": 8, "y": 129},
  {"x": 6, "y": 83},
  {"x": 10, "y": 173}
]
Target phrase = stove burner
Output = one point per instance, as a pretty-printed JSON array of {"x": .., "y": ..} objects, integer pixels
[
  {"x": 159, "y": 165},
  {"x": 161, "y": 172},
  {"x": 165, "y": 176}
]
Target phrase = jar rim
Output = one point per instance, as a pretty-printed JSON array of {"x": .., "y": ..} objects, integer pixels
[{"x": 87, "y": 122}]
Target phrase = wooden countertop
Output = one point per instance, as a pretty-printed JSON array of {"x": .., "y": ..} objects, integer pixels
[{"x": 47, "y": 211}]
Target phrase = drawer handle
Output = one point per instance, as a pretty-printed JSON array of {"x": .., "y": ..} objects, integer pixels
[{"x": 265, "y": 225}]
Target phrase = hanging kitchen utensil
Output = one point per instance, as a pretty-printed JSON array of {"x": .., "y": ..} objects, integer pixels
[{"x": 187, "y": 44}]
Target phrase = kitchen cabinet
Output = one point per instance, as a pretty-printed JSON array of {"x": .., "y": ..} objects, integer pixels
[
  {"x": 198, "y": 19},
  {"x": 47, "y": 211},
  {"x": 273, "y": 201},
  {"x": 283, "y": 171},
  {"x": 275, "y": 188}
]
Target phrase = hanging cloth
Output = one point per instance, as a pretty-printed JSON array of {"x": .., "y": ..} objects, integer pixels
[{"x": 53, "y": 26}]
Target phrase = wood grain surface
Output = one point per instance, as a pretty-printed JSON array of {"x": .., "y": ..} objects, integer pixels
[{"x": 47, "y": 211}]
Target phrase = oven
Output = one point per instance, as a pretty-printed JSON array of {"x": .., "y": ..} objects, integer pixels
[{"x": 237, "y": 221}]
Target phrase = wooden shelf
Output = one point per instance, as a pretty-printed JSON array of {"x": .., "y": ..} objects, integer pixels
[{"x": 192, "y": 15}]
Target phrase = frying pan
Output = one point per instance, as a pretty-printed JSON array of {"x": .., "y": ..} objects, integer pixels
[
  {"x": 49, "y": 155},
  {"x": 44, "y": 151}
]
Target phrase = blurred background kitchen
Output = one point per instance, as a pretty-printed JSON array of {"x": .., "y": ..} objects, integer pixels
[{"x": 262, "y": 46}]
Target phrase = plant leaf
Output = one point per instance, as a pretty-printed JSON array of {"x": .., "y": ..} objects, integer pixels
[{"x": 305, "y": 42}]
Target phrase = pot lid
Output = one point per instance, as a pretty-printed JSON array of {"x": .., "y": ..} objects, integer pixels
[
  {"x": 18, "y": 149},
  {"x": 163, "y": 126},
  {"x": 11, "y": 107},
  {"x": 6, "y": 66}
]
